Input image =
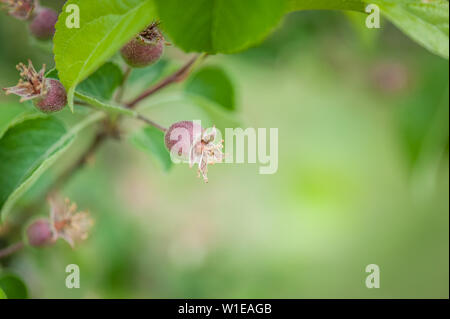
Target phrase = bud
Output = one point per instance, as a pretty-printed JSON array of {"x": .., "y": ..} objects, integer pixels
[
  {"x": 42, "y": 26},
  {"x": 40, "y": 233},
  {"x": 189, "y": 140},
  {"x": 49, "y": 95},
  {"x": 19, "y": 9},
  {"x": 145, "y": 49}
]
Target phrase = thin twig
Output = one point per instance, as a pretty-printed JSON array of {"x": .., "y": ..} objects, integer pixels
[
  {"x": 99, "y": 139},
  {"x": 178, "y": 76},
  {"x": 5, "y": 252},
  {"x": 152, "y": 123}
]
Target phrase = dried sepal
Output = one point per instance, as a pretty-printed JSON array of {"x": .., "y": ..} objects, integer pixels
[
  {"x": 188, "y": 140},
  {"x": 67, "y": 223},
  {"x": 19, "y": 9},
  {"x": 48, "y": 95},
  {"x": 151, "y": 33},
  {"x": 206, "y": 151},
  {"x": 32, "y": 83}
]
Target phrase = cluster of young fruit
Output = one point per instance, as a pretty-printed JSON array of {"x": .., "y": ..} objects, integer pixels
[
  {"x": 146, "y": 48},
  {"x": 49, "y": 95}
]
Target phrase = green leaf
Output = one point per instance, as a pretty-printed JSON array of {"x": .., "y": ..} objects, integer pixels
[
  {"x": 219, "y": 26},
  {"x": 13, "y": 287},
  {"x": 425, "y": 22},
  {"x": 355, "y": 5},
  {"x": 214, "y": 84},
  {"x": 106, "y": 25},
  {"x": 12, "y": 114},
  {"x": 28, "y": 149},
  {"x": 2, "y": 294},
  {"x": 99, "y": 85},
  {"x": 24, "y": 148},
  {"x": 151, "y": 140},
  {"x": 219, "y": 117},
  {"x": 103, "y": 82}
]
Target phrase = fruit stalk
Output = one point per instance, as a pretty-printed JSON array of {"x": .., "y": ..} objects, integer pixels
[
  {"x": 178, "y": 76},
  {"x": 5, "y": 252}
]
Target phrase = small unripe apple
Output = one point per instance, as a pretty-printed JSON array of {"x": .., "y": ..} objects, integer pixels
[
  {"x": 145, "y": 49},
  {"x": 181, "y": 136},
  {"x": 48, "y": 95},
  {"x": 39, "y": 233},
  {"x": 42, "y": 26},
  {"x": 54, "y": 100}
]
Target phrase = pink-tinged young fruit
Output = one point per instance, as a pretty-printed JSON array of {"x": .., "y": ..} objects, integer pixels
[
  {"x": 189, "y": 140},
  {"x": 180, "y": 137},
  {"x": 19, "y": 9},
  {"x": 48, "y": 95},
  {"x": 40, "y": 233},
  {"x": 42, "y": 26},
  {"x": 54, "y": 100},
  {"x": 145, "y": 49}
]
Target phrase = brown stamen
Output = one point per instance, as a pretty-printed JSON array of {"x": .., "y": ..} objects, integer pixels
[
  {"x": 31, "y": 79},
  {"x": 152, "y": 32}
]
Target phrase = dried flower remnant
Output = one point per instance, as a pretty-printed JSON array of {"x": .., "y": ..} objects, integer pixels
[
  {"x": 206, "y": 151},
  {"x": 49, "y": 95},
  {"x": 189, "y": 140},
  {"x": 19, "y": 9},
  {"x": 31, "y": 85},
  {"x": 67, "y": 223}
]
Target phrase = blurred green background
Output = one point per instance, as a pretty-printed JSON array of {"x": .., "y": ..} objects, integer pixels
[{"x": 363, "y": 178}]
